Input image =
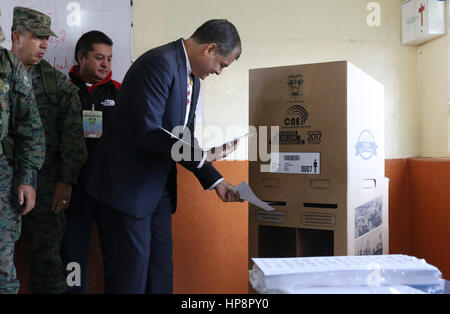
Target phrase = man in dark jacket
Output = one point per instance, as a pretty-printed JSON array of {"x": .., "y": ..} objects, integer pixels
[
  {"x": 133, "y": 171},
  {"x": 98, "y": 94}
]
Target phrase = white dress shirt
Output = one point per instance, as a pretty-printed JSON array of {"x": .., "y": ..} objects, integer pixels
[{"x": 188, "y": 109}]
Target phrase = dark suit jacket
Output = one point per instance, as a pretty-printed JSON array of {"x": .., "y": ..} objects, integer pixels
[{"x": 132, "y": 163}]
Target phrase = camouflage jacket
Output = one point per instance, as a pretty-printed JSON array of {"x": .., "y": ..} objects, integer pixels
[
  {"x": 25, "y": 125},
  {"x": 60, "y": 110}
]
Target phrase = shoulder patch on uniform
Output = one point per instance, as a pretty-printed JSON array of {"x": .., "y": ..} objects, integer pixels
[
  {"x": 26, "y": 80},
  {"x": 23, "y": 81}
]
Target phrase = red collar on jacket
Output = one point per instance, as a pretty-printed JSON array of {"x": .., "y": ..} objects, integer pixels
[{"x": 75, "y": 70}]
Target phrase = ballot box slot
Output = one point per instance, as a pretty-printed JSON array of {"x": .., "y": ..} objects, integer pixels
[
  {"x": 320, "y": 205},
  {"x": 276, "y": 203}
]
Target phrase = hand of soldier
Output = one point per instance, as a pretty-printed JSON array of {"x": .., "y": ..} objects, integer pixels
[
  {"x": 27, "y": 196},
  {"x": 61, "y": 196}
]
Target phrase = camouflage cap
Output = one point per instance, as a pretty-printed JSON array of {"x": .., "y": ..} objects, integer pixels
[
  {"x": 2, "y": 36},
  {"x": 35, "y": 21}
]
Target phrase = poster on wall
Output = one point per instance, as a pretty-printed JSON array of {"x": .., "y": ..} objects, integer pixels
[
  {"x": 70, "y": 20},
  {"x": 368, "y": 229}
]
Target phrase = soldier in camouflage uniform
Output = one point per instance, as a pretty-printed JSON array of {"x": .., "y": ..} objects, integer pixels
[
  {"x": 22, "y": 151},
  {"x": 60, "y": 109}
]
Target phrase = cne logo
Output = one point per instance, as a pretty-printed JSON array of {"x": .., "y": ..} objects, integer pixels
[{"x": 295, "y": 116}]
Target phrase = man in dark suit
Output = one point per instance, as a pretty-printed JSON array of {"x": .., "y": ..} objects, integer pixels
[{"x": 132, "y": 172}]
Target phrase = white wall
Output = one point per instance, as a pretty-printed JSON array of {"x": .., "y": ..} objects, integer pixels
[
  {"x": 293, "y": 32},
  {"x": 433, "y": 82},
  {"x": 434, "y": 95}
]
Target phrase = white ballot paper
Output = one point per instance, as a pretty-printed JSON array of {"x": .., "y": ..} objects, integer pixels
[
  {"x": 206, "y": 149},
  {"x": 246, "y": 193},
  {"x": 356, "y": 290},
  {"x": 291, "y": 275},
  {"x": 174, "y": 136}
]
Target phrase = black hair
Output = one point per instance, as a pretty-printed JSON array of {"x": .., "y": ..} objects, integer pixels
[
  {"x": 221, "y": 32},
  {"x": 84, "y": 44}
]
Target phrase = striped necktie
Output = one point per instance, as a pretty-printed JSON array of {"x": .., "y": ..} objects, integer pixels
[{"x": 189, "y": 90}]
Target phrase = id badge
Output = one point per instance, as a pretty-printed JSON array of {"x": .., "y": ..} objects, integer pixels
[{"x": 92, "y": 123}]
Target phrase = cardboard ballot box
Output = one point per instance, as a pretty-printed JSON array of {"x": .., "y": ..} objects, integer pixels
[{"x": 326, "y": 175}]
